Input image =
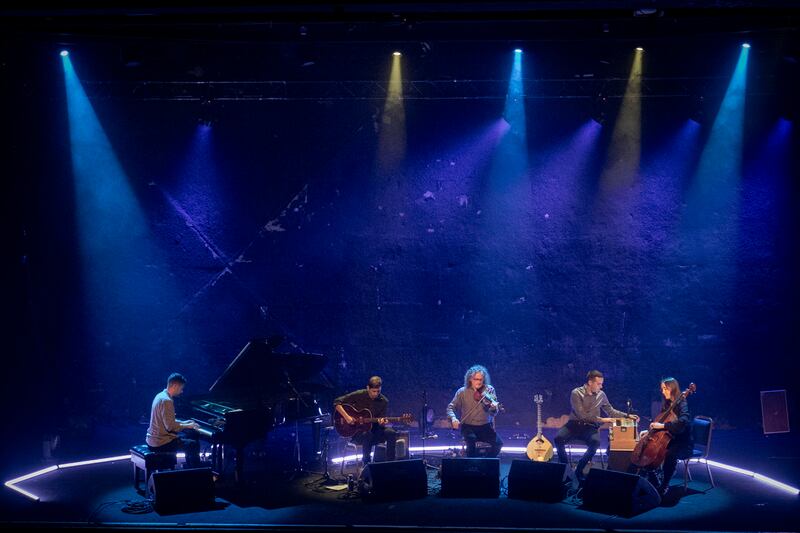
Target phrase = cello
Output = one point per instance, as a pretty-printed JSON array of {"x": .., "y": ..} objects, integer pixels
[{"x": 651, "y": 450}]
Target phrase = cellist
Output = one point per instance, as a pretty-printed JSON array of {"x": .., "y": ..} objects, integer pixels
[{"x": 680, "y": 445}]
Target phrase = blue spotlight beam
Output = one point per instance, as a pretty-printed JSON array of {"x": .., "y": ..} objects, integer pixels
[
  {"x": 514, "y": 111},
  {"x": 125, "y": 290},
  {"x": 710, "y": 222},
  {"x": 510, "y": 161},
  {"x": 712, "y": 200}
]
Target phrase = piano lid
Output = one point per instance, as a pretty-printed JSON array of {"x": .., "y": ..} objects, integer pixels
[{"x": 258, "y": 366}]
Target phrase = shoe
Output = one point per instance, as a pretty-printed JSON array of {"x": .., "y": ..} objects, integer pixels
[{"x": 579, "y": 472}]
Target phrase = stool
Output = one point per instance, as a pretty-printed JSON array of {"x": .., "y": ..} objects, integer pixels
[
  {"x": 590, "y": 464},
  {"x": 401, "y": 448},
  {"x": 481, "y": 448},
  {"x": 147, "y": 461},
  {"x": 347, "y": 447},
  {"x": 379, "y": 453}
]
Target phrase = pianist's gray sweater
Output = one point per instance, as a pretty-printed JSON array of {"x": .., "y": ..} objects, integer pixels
[{"x": 163, "y": 426}]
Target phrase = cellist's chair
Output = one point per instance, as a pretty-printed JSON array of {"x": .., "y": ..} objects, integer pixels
[{"x": 702, "y": 427}]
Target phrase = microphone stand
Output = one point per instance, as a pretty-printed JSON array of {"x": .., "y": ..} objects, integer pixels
[
  {"x": 298, "y": 471},
  {"x": 423, "y": 425}
]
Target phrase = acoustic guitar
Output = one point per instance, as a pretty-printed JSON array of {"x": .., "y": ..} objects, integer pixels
[
  {"x": 539, "y": 448},
  {"x": 363, "y": 420}
]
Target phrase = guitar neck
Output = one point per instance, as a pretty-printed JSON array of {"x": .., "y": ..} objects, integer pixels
[
  {"x": 387, "y": 418},
  {"x": 538, "y": 420}
]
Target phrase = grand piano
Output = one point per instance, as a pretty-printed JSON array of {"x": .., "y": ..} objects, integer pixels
[{"x": 259, "y": 391}]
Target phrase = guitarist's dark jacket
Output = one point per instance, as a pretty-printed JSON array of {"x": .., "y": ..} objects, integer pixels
[{"x": 360, "y": 400}]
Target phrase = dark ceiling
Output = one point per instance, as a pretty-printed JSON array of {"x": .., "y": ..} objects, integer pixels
[{"x": 452, "y": 49}]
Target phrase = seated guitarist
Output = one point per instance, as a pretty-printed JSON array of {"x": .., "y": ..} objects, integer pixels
[{"x": 377, "y": 404}]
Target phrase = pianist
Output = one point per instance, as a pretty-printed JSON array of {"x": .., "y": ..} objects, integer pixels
[{"x": 162, "y": 435}]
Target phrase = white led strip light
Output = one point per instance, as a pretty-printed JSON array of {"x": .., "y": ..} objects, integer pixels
[{"x": 12, "y": 484}]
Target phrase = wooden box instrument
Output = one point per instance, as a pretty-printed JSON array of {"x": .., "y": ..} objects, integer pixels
[{"x": 623, "y": 434}]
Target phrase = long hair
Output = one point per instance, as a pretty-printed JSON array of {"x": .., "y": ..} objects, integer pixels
[
  {"x": 474, "y": 369},
  {"x": 674, "y": 390}
]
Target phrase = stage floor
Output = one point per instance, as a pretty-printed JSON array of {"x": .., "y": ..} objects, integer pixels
[{"x": 95, "y": 495}]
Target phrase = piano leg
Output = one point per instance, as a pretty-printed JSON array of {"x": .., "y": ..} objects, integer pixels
[
  {"x": 239, "y": 471},
  {"x": 216, "y": 463}
]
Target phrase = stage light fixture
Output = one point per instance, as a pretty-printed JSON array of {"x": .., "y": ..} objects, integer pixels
[
  {"x": 397, "y": 54},
  {"x": 746, "y": 45},
  {"x": 599, "y": 107},
  {"x": 64, "y": 53},
  {"x": 518, "y": 50}
]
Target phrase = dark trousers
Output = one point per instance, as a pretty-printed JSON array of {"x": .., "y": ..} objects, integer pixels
[
  {"x": 575, "y": 430},
  {"x": 188, "y": 446},
  {"x": 485, "y": 433},
  {"x": 667, "y": 470},
  {"x": 375, "y": 436}
]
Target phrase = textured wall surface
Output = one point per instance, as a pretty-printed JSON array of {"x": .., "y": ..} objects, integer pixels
[{"x": 278, "y": 220}]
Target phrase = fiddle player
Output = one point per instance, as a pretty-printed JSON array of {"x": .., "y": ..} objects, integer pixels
[
  {"x": 585, "y": 420},
  {"x": 476, "y": 403},
  {"x": 377, "y": 404},
  {"x": 680, "y": 444}
]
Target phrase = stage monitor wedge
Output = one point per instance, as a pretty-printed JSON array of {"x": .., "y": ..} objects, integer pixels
[
  {"x": 394, "y": 480},
  {"x": 471, "y": 478},
  {"x": 182, "y": 491},
  {"x": 539, "y": 481},
  {"x": 618, "y": 493}
]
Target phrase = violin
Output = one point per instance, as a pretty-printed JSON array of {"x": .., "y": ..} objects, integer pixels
[
  {"x": 487, "y": 397},
  {"x": 651, "y": 450}
]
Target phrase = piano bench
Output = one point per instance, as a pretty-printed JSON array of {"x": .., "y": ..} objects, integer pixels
[{"x": 147, "y": 461}]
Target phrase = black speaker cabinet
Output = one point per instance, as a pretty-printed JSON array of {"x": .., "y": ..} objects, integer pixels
[
  {"x": 774, "y": 411},
  {"x": 180, "y": 491},
  {"x": 394, "y": 480},
  {"x": 471, "y": 478},
  {"x": 532, "y": 480},
  {"x": 618, "y": 493}
]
